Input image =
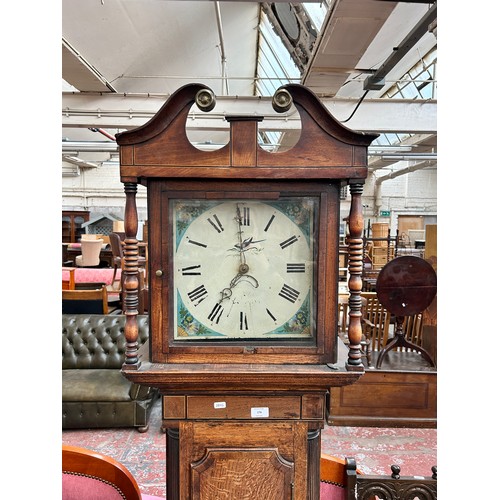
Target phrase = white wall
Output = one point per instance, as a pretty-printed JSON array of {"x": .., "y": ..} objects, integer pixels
[
  {"x": 101, "y": 191},
  {"x": 410, "y": 194}
]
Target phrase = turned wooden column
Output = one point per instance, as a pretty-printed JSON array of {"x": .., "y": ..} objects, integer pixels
[
  {"x": 131, "y": 280},
  {"x": 355, "y": 250}
]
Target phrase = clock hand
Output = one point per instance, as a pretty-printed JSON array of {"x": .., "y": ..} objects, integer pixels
[
  {"x": 243, "y": 268},
  {"x": 240, "y": 240},
  {"x": 226, "y": 293}
]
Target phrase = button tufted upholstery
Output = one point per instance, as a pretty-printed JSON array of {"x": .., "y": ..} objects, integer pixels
[{"x": 94, "y": 391}]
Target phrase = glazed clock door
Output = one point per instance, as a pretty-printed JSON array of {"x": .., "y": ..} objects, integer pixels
[{"x": 248, "y": 273}]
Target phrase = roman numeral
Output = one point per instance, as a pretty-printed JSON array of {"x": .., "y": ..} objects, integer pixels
[
  {"x": 243, "y": 321},
  {"x": 216, "y": 313},
  {"x": 246, "y": 216},
  {"x": 193, "y": 242},
  {"x": 288, "y": 242},
  {"x": 289, "y": 293},
  {"x": 198, "y": 293},
  {"x": 190, "y": 271},
  {"x": 270, "y": 314},
  {"x": 217, "y": 224},
  {"x": 295, "y": 268},
  {"x": 268, "y": 225}
]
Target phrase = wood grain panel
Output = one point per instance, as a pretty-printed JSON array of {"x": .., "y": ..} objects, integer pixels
[
  {"x": 174, "y": 407},
  {"x": 313, "y": 406},
  {"x": 278, "y": 451},
  {"x": 243, "y": 143},
  {"x": 242, "y": 407},
  {"x": 242, "y": 474}
]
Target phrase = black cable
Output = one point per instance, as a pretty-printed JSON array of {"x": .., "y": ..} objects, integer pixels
[{"x": 357, "y": 106}]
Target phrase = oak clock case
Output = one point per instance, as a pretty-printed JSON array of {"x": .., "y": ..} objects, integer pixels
[
  {"x": 243, "y": 320},
  {"x": 244, "y": 269}
]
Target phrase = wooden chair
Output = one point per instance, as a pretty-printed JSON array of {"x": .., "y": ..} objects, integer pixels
[
  {"x": 343, "y": 316},
  {"x": 143, "y": 306},
  {"x": 393, "y": 487},
  {"x": 333, "y": 478},
  {"x": 113, "y": 296},
  {"x": 343, "y": 321},
  {"x": 413, "y": 327},
  {"x": 88, "y": 474},
  {"x": 340, "y": 479},
  {"x": 117, "y": 251},
  {"x": 375, "y": 325},
  {"x": 89, "y": 285},
  {"x": 85, "y": 301}
]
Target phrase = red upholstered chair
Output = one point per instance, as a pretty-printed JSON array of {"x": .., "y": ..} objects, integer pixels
[
  {"x": 333, "y": 478},
  {"x": 89, "y": 475}
]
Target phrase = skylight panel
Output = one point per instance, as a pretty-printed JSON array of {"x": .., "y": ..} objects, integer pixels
[
  {"x": 274, "y": 61},
  {"x": 316, "y": 12}
]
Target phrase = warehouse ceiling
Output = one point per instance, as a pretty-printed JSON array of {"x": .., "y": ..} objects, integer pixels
[{"x": 351, "y": 50}]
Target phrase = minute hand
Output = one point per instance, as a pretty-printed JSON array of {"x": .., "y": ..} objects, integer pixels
[{"x": 243, "y": 264}]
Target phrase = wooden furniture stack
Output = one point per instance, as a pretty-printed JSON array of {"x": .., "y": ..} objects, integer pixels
[{"x": 243, "y": 280}]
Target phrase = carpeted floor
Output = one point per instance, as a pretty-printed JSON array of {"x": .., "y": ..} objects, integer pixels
[{"x": 375, "y": 449}]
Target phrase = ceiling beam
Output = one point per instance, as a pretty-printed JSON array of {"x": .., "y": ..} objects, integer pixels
[
  {"x": 79, "y": 73},
  {"x": 130, "y": 111}
]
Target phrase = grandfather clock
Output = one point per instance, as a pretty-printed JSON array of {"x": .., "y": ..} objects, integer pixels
[{"x": 243, "y": 252}]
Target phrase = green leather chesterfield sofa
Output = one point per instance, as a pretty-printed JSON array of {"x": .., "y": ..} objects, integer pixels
[{"x": 95, "y": 394}]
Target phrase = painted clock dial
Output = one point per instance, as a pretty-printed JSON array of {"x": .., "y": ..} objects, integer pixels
[{"x": 244, "y": 269}]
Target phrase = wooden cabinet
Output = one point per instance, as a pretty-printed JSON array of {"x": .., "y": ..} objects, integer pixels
[
  {"x": 72, "y": 225},
  {"x": 401, "y": 394}
]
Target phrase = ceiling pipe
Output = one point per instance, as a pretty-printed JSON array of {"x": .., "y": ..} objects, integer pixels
[
  {"x": 376, "y": 81},
  {"x": 403, "y": 171},
  {"x": 378, "y": 182},
  {"x": 103, "y": 132},
  {"x": 79, "y": 162},
  {"x": 89, "y": 146},
  {"x": 405, "y": 157},
  {"x": 225, "y": 89}
]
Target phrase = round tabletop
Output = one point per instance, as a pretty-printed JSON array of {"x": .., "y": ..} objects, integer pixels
[{"x": 406, "y": 285}]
